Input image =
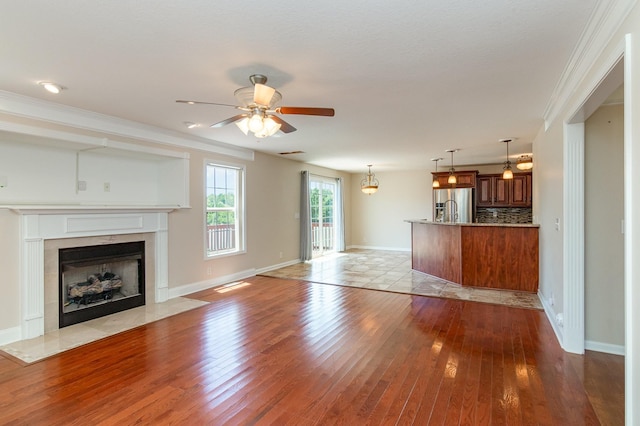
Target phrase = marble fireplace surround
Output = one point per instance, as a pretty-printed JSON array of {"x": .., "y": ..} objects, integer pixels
[{"x": 44, "y": 231}]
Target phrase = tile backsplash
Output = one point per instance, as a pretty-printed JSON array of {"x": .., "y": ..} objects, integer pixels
[{"x": 503, "y": 215}]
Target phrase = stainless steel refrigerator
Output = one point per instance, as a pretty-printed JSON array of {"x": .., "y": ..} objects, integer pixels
[{"x": 455, "y": 205}]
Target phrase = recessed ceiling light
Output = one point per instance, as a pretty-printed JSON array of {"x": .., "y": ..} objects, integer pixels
[
  {"x": 51, "y": 87},
  {"x": 191, "y": 125}
]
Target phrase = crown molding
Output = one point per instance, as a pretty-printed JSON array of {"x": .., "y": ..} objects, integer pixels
[
  {"x": 605, "y": 20},
  {"x": 50, "y": 112}
]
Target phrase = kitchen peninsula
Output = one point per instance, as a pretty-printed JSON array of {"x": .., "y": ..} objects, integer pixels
[{"x": 500, "y": 256}]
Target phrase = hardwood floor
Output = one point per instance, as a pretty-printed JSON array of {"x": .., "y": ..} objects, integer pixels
[{"x": 276, "y": 351}]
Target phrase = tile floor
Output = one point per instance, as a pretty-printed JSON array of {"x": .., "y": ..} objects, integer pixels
[
  {"x": 80, "y": 334},
  {"x": 391, "y": 271}
]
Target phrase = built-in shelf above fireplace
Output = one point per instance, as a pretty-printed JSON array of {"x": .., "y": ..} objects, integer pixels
[{"x": 44, "y": 172}]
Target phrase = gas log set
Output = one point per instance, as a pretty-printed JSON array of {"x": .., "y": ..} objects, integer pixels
[{"x": 98, "y": 287}]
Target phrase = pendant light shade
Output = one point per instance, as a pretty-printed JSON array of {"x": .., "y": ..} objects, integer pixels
[
  {"x": 369, "y": 185},
  {"x": 507, "y": 173},
  {"x": 452, "y": 177},
  {"x": 436, "y": 182},
  {"x": 525, "y": 162}
]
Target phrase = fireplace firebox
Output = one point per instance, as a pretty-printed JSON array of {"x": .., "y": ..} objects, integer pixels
[{"x": 100, "y": 280}]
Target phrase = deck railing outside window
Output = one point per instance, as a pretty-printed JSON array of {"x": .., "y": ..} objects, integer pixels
[
  {"x": 327, "y": 236},
  {"x": 220, "y": 237}
]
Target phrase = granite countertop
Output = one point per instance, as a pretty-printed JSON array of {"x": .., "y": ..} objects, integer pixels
[{"x": 505, "y": 225}]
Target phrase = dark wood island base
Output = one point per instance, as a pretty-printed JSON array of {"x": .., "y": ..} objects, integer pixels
[{"x": 477, "y": 255}]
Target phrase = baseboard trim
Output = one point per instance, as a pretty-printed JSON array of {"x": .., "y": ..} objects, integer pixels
[
  {"x": 186, "y": 289},
  {"x": 378, "y": 248},
  {"x": 607, "y": 348},
  {"x": 10, "y": 335},
  {"x": 278, "y": 266},
  {"x": 551, "y": 316}
]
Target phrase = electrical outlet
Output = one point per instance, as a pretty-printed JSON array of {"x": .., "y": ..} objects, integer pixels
[
  {"x": 557, "y": 224},
  {"x": 280, "y": 255},
  {"x": 107, "y": 187},
  {"x": 495, "y": 214},
  {"x": 208, "y": 270}
]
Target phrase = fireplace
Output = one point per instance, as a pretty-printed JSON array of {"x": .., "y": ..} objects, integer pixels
[
  {"x": 99, "y": 280},
  {"x": 46, "y": 231}
]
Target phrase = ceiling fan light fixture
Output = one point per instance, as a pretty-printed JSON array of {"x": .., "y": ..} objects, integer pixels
[
  {"x": 271, "y": 126},
  {"x": 256, "y": 123},
  {"x": 263, "y": 94},
  {"x": 258, "y": 104},
  {"x": 243, "y": 125}
]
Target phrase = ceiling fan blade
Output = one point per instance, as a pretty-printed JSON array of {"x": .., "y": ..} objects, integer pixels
[
  {"x": 262, "y": 94},
  {"x": 284, "y": 126},
  {"x": 203, "y": 103},
  {"x": 229, "y": 121},
  {"x": 326, "y": 112}
]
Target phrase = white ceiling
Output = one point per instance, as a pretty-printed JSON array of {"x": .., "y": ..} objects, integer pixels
[{"x": 408, "y": 80}]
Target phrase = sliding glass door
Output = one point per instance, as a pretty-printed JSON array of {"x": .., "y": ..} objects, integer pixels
[{"x": 323, "y": 213}]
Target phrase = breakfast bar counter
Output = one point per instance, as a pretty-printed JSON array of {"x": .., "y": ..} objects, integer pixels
[{"x": 500, "y": 256}]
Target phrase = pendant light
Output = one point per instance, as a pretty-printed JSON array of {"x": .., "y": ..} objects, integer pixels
[
  {"x": 436, "y": 182},
  {"x": 452, "y": 177},
  {"x": 525, "y": 162},
  {"x": 507, "y": 173},
  {"x": 369, "y": 185}
]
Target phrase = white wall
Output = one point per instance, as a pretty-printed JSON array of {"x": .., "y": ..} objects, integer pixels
[
  {"x": 589, "y": 71},
  {"x": 378, "y": 220},
  {"x": 547, "y": 208},
  {"x": 604, "y": 240},
  {"x": 273, "y": 199},
  {"x": 9, "y": 263}
]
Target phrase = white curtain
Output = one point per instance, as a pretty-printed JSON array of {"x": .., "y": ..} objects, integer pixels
[
  {"x": 340, "y": 215},
  {"x": 306, "y": 251}
]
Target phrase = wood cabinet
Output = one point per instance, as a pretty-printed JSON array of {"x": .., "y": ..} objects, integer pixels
[
  {"x": 477, "y": 255},
  {"x": 466, "y": 179},
  {"x": 521, "y": 190},
  {"x": 493, "y": 191}
]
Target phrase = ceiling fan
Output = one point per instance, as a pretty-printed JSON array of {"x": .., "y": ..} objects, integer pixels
[{"x": 258, "y": 103}]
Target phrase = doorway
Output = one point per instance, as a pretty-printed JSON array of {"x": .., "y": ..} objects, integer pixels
[{"x": 322, "y": 196}]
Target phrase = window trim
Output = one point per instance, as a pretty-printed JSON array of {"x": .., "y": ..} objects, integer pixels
[{"x": 241, "y": 216}]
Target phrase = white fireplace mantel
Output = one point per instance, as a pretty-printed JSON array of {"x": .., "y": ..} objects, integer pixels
[{"x": 40, "y": 223}]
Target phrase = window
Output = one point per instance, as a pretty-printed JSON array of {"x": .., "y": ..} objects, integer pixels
[{"x": 224, "y": 209}]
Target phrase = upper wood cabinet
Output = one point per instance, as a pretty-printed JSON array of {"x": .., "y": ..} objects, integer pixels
[
  {"x": 493, "y": 191},
  {"x": 466, "y": 179},
  {"x": 521, "y": 189}
]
